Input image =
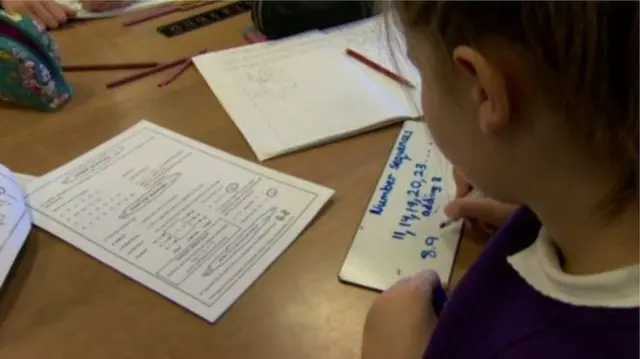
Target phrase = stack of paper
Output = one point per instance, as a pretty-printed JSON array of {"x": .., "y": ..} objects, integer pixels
[
  {"x": 303, "y": 91},
  {"x": 137, "y": 5}
]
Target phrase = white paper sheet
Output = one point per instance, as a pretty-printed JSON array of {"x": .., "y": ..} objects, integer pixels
[
  {"x": 15, "y": 221},
  {"x": 136, "y": 6},
  {"x": 193, "y": 223},
  {"x": 400, "y": 233},
  {"x": 387, "y": 48},
  {"x": 24, "y": 179},
  {"x": 295, "y": 93}
]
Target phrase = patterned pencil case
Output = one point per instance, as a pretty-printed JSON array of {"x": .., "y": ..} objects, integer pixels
[{"x": 30, "y": 71}]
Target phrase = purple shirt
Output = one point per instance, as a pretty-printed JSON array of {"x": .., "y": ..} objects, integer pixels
[{"x": 495, "y": 313}]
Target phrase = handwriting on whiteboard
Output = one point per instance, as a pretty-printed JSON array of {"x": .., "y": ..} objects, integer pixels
[{"x": 422, "y": 193}]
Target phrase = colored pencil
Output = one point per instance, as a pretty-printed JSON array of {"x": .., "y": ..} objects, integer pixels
[
  {"x": 153, "y": 15},
  {"x": 145, "y": 73},
  {"x": 198, "y": 4},
  {"x": 381, "y": 69},
  {"x": 105, "y": 67},
  {"x": 179, "y": 71}
]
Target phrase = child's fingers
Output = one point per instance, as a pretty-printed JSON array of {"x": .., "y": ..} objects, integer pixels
[
  {"x": 462, "y": 185},
  {"x": 56, "y": 11},
  {"x": 42, "y": 13},
  {"x": 69, "y": 11},
  {"x": 482, "y": 209},
  {"x": 26, "y": 12},
  {"x": 426, "y": 280}
]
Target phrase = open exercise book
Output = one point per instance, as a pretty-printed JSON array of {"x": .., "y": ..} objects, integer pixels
[
  {"x": 303, "y": 91},
  {"x": 193, "y": 223},
  {"x": 400, "y": 232},
  {"x": 15, "y": 219}
]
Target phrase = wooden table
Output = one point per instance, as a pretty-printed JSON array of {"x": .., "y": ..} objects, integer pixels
[{"x": 60, "y": 303}]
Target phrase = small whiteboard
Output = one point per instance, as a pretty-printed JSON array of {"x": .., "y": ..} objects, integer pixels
[{"x": 400, "y": 233}]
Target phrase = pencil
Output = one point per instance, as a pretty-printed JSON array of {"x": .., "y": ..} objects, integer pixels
[
  {"x": 145, "y": 73},
  {"x": 381, "y": 69},
  {"x": 179, "y": 71},
  {"x": 198, "y": 4},
  {"x": 105, "y": 67}
]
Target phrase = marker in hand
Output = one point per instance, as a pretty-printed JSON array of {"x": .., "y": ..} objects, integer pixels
[{"x": 473, "y": 193}]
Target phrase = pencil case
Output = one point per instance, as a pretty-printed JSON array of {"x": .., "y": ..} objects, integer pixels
[
  {"x": 30, "y": 70},
  {"x": 278, "y": 19}
]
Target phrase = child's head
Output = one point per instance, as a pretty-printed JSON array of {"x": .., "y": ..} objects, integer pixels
[{"x": 516, "y": 93}]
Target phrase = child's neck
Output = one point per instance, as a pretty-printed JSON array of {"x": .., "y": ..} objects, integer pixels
[{"x": 588, "y": 244}]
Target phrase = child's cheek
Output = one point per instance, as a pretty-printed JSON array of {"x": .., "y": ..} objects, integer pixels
[{"x": 437, "y": 117}]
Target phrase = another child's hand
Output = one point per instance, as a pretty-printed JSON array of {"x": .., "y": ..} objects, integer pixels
[
  {"x": 104, "y": 5},
  {"x": 401, "y": 320},
  {"x": 47, "y": 12},
  {"x": 483, "y": 213}
]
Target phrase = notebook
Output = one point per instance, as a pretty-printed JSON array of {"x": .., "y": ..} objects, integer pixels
[
  {"x": 379, "y": 39},
  {"x": 400, "y": 233},
  {"x": 15, "y": 220},
  {"x": 300, "y": 92},
  {"x": 193, "y": 223},
  {"x": 137, "y": 5}
]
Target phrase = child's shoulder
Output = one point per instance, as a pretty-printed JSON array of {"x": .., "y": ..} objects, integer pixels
[{"x": 514, "y": 302}]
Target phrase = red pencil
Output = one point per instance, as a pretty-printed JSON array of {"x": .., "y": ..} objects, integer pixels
[
  {"x": 198, "y": 4},
  {"x": 179, "y": 71},
  {"x": 149, "y": 72},
  {"x": 381, "y": 69},
  {"x": 103, "y": 67}
]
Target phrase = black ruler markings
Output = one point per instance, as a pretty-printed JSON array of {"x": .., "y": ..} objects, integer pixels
[{"x": 206, "y": 18}]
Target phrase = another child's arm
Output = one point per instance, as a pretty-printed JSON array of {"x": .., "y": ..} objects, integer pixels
[
  {"x": 47, "y": 12},
  {"x": 52, "y": 14},
  {"x": 402, "y": 319}
]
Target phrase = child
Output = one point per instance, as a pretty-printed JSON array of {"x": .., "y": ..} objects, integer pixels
[
  {"x": 52, "y": 14},
  {"x": 535, "y": 103}
]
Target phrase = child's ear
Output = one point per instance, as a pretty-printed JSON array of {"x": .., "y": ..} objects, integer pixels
[{"x": 488, "y": 90}]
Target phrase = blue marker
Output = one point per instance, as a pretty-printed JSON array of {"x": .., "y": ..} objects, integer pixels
[{"x": 439, "y": 299}]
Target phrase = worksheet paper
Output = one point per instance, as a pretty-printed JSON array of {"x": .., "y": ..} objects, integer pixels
[
  {"x": 137, "y": 5},
  {"x": 191, "y": 222},
  {"x": 15, "y": 221},
  {"x": 380, "y": 40},
  {"x": 295, "y": 93},
  {"x": 23, "y": 179},
  {"x": 400, "y": 233}
]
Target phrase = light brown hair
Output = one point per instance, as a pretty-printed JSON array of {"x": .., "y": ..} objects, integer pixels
[{"x": 584, "y": 55}]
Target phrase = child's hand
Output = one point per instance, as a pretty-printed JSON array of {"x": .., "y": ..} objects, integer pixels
[
  {"x": 104, "y": 5},
  {"x": 47, "y": 12},
  {"x": 401, "y": 320},
  {"x": 483, "y": 213}
]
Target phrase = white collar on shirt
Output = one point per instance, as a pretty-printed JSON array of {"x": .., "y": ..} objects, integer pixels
[{"x": 539, "y": 266}]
